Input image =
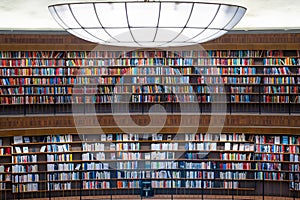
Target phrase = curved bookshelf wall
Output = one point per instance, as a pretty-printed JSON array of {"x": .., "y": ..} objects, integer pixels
[
  {"x": 225, "y": 81},
  {"x": 242, "y": 95}
]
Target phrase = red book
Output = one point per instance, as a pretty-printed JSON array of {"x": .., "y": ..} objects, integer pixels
[{"x": 8, "y": 150}]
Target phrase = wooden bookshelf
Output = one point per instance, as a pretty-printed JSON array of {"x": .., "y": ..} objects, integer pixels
[
  {"x": 224, "y": 81},
  {"x": 185, "y": 163},
  {"x": 255, "y": 75}
]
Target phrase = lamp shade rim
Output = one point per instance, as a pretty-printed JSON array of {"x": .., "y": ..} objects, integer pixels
[{"x": 146, "y": 2}]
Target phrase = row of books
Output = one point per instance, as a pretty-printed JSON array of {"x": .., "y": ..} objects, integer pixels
[
  {"x": 96, "y": 175},
  {"x": 269, "y": 175},
  {"x": 233, "y": 175},
  {"x": 134, "y": 174},
  {"x": 31, "y": 54},
  {"x": 128, "y": 156},
  {"x": 63, "y": 176},
  {"x": 231, "y": 137},
  {"x": 275, "y": 99},
  {"x": 294, "y": 157},
  {"x": 95, "y": 166},
  {"x": 31, "y": 71},
  {"x": 25, "y": 187},
  {"x": 183, "y": 53},
  {"x": 95, "y": 185},
  {"x": 139, "y": 98},
  {"x": 280, "y": 61},
  {"x": 5, "y": 151},
  {"x": 61, "y": 167},
  {"x": 294, "y": 167},
  {"x": 24, "y": 159},
  {"x": 206, "y": 146},
  {"x": 118, "y": 91},
  {"x": 235, "y": 156},
  {"x": 271, "y": 166},
  {"x": 279, "y": 80},
  {"x": 164, "y": 146},
  {"x": 138, "y": 71},
  {"x": 167, "y": 61},
  {"x": 59, "y": 157},
  {"x": 161, "y": 155},
  {"x": 219, "y": 80},
  {"x": 60, "y": 186},
  {"x": 93, "y": 156},
  {"x": 24, "y": 168},
  {"x": 200, "y": 175},
  {"x": 82, "y": 81},
  {"x": 127, "y": 137},
  {"x": 269, "y": 157},
  {"x": 25, "y": 178},
  {"x": 144, "y": 54},
  {"x": 166, "y": 184},
  {"x": 108, "y": 99},
  {"x": 128, "y": 184},
  {"x": 269, "y": 148},
  {"x": 94, "y": 146},
  {"x": 235, "y": 166}
]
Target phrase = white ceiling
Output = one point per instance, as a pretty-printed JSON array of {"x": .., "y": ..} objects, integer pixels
[{"x": 260, "y": 15}]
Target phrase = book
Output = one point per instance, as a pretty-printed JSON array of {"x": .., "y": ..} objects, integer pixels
[
  {"x": 227, "y": 146},
  {"x": 18, "y": 139},
  {"x": 242, "y": 147},
  {"x": 26, "y": 139},
  {"x": 285, "y": 139},
  {"x": 277, "y": 140},
  {"x": 109, "y": 137},
  {"x": 43, "y": 148},
  {"x": 235, "y": 146},
  {"x": 223, "y": 137},
  {"x": 25, "y": 149},
  {"x": 18, "y": 150},
  {"x": 103, "y": 137},
  {"x": 77, "y": 167}
]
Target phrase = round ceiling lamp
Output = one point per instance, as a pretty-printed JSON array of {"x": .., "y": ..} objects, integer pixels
[{"x": 147, "y": 24}]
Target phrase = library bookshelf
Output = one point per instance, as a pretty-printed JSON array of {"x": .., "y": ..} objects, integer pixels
[{"x": 231, "y": 118}]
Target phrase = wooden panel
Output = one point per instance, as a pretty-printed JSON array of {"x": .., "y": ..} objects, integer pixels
[
  {"x": 107, "y": 123},
  {"x": 64, "y": 41}
]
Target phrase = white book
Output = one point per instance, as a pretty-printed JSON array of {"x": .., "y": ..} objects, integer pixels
[
  {"x": 235, "y": 147},
  {"x": 277, "y": 140},
  {"x": 125, "y": 137},
  {"x": 223, "y": 137},
  {"x": 227, "y": 146},
  {"x": 242, "y": 147},
  {"x": 25, "y": 149},
  {"x": 18, "y": 139},
  {"x": 103, "y": 137},
  {"x": 18, "y": 149},
  {"x": 43, "y": 148},
  {"x": 147, "y": 156}
]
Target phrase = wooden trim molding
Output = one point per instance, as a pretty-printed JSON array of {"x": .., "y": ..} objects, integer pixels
[
  {"x": 65, "y": 41},
  {"x": 37, "y": 125}
]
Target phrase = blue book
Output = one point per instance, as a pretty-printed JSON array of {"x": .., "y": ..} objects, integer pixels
[{"x": 285, "y": 140}]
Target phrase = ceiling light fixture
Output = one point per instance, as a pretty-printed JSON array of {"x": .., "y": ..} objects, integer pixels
[{"x": 147, "y": 23}]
